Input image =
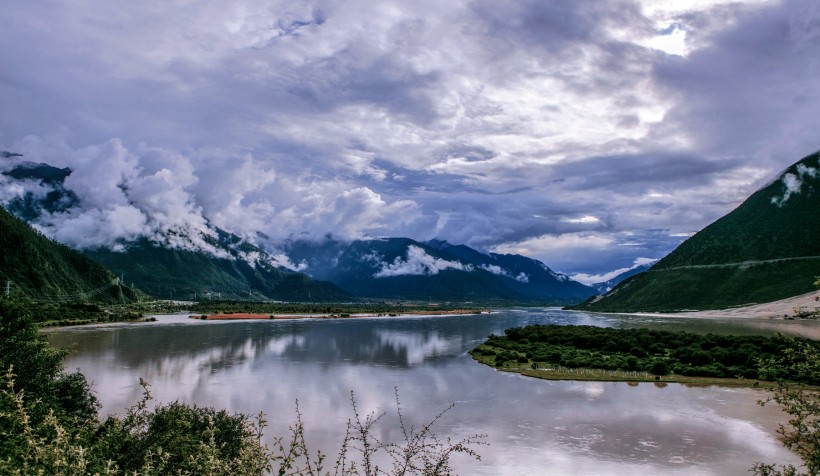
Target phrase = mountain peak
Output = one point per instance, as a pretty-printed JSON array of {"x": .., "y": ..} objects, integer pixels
[{"x": 766, "y": 249}]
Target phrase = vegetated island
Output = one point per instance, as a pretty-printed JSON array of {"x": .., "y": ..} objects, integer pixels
[{"x": 637, "y": 355}]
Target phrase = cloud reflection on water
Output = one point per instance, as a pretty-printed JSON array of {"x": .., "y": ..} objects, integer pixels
[{"x": 563, "y": 427}]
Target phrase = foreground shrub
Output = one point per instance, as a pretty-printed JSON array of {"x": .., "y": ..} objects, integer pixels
[{"x": 802, "y": 403}]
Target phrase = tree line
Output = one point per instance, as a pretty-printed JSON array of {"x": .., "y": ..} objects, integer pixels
[{"x": 644, "y": 350}]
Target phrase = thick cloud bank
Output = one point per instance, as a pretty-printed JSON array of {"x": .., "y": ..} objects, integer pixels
[
  {"x": 583, "y": 134},
  {"x": 418, "y": 262}
]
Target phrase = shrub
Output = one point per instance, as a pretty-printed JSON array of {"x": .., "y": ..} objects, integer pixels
[{"x": 659, "y": 367}]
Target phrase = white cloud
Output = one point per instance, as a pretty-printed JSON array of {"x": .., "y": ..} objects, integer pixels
[
  {"x": 495, "y": 269},
  {"x": 94, "y": 227},
  {"x": 582, "y": 219},
  {"x": 521, "y": 277},
  {"x": 418, "y": 262},
  {"x": 284, "y": 261},
  {"x": 793, "y": 183},
  {"x": 552, "y": 244},
  {"x": 601, "y": 278}
]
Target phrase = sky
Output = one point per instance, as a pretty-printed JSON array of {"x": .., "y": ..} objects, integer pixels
[{"x": 592, "y": 135}]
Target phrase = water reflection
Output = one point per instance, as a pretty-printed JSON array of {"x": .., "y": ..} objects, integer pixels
[{"x": 534, "y": 426}]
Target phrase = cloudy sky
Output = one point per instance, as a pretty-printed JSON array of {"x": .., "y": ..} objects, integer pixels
[{"x": 587, "y": 134}]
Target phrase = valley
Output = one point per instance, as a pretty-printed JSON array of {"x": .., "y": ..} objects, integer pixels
[{"x": 721, "y": 313}]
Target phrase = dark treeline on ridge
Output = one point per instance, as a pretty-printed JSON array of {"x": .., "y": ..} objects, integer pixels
[{"x": 35, "y": 267}]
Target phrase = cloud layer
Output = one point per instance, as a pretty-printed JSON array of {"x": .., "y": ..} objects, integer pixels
[
  {"x": 584, "y": 134},
  {"x": 418, "y": 262}
]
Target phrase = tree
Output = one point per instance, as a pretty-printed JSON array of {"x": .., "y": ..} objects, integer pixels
[
  {"x": 38, "y": 368},
  {"x": 802, "y": 434},
  {"x": 659, "y": 367}
]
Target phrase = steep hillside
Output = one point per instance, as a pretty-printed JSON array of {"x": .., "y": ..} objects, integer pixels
[
  {"x": 766, "y": 249},
  {"x": 407, "y": 269},
  {"x": 38, "y": 268},
  {"x": 245, "y": 273}
]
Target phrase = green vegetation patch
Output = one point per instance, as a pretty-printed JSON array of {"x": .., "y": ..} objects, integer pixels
[
  {"x": 716, "y": 287},
  {"x": 37, "y": 268},
  {"x": 636, "y": 354}
]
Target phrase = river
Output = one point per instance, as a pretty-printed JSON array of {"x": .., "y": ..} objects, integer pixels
[{"x": 534, "y": 427}]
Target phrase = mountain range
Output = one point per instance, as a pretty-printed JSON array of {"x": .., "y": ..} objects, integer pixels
[
  {"x": 408, "y": 269},
  {"x": 178, "y": 267},
  {"x": 219, "y": 264},
  {"x": 244, "y": 272},
  {"x": 768, "y": 248}
]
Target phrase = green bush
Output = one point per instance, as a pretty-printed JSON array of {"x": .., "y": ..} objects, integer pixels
[{"x": 683, "y": 353}]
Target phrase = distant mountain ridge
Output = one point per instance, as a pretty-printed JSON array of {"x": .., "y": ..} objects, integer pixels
[
  {"x": 768, "y": 248},
  {"x": 408, "y": 269}
]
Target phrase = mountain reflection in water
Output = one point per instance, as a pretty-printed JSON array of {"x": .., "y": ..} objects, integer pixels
[{"x": 534, "y": 427}]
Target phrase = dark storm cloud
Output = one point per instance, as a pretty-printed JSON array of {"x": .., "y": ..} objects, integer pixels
[
  {"x": 753, "y": 91},
  {"x": 552, "y": 128},
  {"x": 638, "y": 170}
]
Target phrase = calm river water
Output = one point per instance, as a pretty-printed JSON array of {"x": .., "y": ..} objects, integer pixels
[{"x": 533, "y": 426}]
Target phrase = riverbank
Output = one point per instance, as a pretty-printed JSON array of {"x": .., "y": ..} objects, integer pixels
[
  {"x": 246, "y": 316},
  {"x": 598, "y": 375},
  {"x": 789, "y": 308}
]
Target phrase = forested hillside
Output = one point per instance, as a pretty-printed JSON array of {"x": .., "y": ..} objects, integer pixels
[
  {"x": 35, "y": 267},
  {"x": 766, "y": 249},
  {"x": 182, "y": 274}
]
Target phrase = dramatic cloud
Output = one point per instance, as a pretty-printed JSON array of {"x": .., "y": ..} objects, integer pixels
[
  {"x": 584, "y": 134},
  {"x": 418, "y": 262}
]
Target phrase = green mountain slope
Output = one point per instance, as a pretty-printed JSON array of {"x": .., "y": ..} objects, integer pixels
[
  {"x": 167, "y": 269},
  {"x": 181, "y": 274},
  {"x": 40, "y": 269},
  {"x": 766, "y": 249}
]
